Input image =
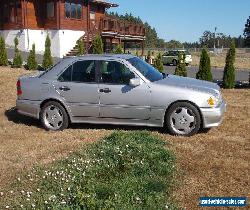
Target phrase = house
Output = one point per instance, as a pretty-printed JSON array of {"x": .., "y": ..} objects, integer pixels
[{"x": 65, "y": 21}]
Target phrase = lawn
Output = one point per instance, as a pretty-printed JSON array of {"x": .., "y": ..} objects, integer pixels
[
  {"x": 242, "y": 60},
  {"x": 209, "y": 164}
]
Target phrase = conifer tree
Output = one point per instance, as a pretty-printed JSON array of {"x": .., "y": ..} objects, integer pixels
[
  {"x": 80, "y": 47},
  {"x": 17, "y": 61},
  {"x": 204, "y": 72},
  {"x": 229, "y": 70},
  {"x": 180, "y": 69},
  {"x": 97, "y": 45},
  {"x": 31, "y": 61},
  {"x": 158, "y": 64},
  {"x": 118, "y": 49},
  {"x": 3, "y": 53},
  {"x": 47, "y": 58}
]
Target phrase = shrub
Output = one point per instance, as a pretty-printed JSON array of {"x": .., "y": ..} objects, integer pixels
[
  {"x": 126, "y": 170},
  {"x": 180, "y": 69},
  {"x": 204, "y": 72},
  {"x": 158, "y": 64},
  {"x": 229, "y": 70},
  {"x": 97, "y": 45},
  {"x": 80, "y": 47},
  {"x": 47, "y": 58},
  {"x": 17, "y": 61},
  {"x": 118, "y": 49},
  {"x": 3, "y": 53},
  {"x": 31, "y": 61}
]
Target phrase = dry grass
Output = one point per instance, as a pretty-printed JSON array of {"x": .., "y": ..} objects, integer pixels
[
  {"x": 242, "y": 60},
  {"x": 210, "y": 164}
]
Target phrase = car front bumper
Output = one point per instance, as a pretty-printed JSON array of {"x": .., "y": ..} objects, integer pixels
[
  {"x": 28, "y": 108},
  {"x": 213, "y": 117}
]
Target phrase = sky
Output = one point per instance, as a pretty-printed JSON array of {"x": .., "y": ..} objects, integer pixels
[{"x": 186, "y": 20}]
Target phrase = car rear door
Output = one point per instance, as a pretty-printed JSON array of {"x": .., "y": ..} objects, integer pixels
[
  {"x": 118, "y": 99},
  {"x": 78, "y": 87}
]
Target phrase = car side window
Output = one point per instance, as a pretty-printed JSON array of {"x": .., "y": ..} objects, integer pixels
[
  {"x": 66, "y": 75},
  {"x": 83, "y": 71},
  {"x": 113, "y": 72}
]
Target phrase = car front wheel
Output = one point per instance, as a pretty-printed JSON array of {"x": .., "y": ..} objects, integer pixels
[
  {"x": 54, "y": 117},
  {"x": 183, "y": 119}
]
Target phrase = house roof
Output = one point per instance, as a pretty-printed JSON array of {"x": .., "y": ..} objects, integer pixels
[{"x": 104, "y": 2}]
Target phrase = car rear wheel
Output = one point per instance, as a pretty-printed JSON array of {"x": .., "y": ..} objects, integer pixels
[
  {"x": 183, "y": 119},
  {"x": 54, "y": 117}
]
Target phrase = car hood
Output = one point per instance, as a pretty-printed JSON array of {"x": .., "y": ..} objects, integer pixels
[{"x": 190, "y": 83}]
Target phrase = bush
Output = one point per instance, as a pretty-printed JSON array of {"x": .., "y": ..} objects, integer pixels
[
  {"x": 97, "y": 45},
  {"x": 158, "y": 64},
  {"x": 80, "y": 47},
  {"x": 180, "y": 69},
  {"x": 47, "y": 58},
  {"x": 204, "y": 72},
  {"x": 17, "y": 61},
  {"x": 126, "y": 170},
  {"x": 118, "y": 49},
  {"x": 3, "y": 53},
  {"x": 31, "y": 61},
  {"x": 229, "y": 70}
]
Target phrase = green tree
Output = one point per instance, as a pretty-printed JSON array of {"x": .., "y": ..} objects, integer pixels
[
  {"x": 118, "y": 49},
  {"x": 80, "y": 47},
  {"x": 229, "y": 70},
  {"x": 17, "y": 61},
  {"x": 97, "y": 45},
  {"x": 31, "y": 61},
  {"x": 158, "y": 64},
  {"x": 180, "y": 69},
  {"x": 3, "y": 53},
  {"x": 47, "y": 58},
  {"x": 204, "y": 72},
  {"x": 247, "y": 33}
]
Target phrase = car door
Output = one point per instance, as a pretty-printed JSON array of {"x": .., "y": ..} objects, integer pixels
[
  {"x": 78, "y": 86},
  {"x": 117, "y": 98},
  {"x": 165, "y": 58}
]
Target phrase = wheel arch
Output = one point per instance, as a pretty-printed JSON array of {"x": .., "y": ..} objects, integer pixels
[
  {"x": 55, "y": 100},
  {"x": 186, "y": 101}
]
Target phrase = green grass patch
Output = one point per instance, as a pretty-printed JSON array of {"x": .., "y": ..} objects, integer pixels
[{"x": 126, "y": 170}]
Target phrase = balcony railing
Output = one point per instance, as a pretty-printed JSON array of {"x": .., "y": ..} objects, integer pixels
[{"x": 120, "y": 27}]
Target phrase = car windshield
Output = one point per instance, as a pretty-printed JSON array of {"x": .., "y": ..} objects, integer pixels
[{"x": 145, "y": 69}]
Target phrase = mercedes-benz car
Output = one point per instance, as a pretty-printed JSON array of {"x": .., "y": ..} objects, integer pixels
[{"x": 121, "y": 90}]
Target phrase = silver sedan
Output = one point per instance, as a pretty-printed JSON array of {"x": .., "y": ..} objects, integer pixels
[{"x": 121, "y": 90}]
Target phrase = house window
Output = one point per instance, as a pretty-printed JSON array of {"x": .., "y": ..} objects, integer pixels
[
  {"x": 12, "y": 11},
  {"x": 73, "y": 10},
  {"x": 50, "y": 9},
  {"x": 92, "y": 13}
]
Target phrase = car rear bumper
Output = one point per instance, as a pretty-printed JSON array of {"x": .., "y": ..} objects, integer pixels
[
  {"x": 213, "y": 117},
  {"x": 28, "y": 108}
]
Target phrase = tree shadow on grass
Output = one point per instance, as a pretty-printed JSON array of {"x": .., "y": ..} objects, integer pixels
[{"x": 13, "y": 116}]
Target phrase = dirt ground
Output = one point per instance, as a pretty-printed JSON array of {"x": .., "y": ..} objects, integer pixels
[{"x": 216, "y": 163}]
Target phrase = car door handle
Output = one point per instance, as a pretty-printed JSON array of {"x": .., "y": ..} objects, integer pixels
[
  {"x": 105, "y": 90},
  {"x": 64, "y": 88}
]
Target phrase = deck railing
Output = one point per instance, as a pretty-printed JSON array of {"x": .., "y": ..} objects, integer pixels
[{"x": 113, "y": 25}]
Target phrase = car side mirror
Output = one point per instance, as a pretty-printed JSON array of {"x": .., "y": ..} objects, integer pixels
[{"x": 135, "y": 82}]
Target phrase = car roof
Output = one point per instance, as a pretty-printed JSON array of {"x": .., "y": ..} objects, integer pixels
[{"x": 103, "y": 56}]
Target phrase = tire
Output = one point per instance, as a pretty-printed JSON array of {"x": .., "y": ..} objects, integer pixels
[
  {"x": 182, "y": 119},
  {"x": 174, "y": 62},
  {"x": 54, "y": 117}
]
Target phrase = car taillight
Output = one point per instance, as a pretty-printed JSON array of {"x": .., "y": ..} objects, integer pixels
[{"x": 18, "y": 86}]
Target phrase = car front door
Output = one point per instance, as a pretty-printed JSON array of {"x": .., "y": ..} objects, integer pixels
[
  {"x": 78, "y": 86},
  {"x": 117, "y": 98}
]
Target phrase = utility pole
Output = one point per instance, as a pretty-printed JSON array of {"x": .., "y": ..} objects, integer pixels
[{"x": 215, "y": 29}]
